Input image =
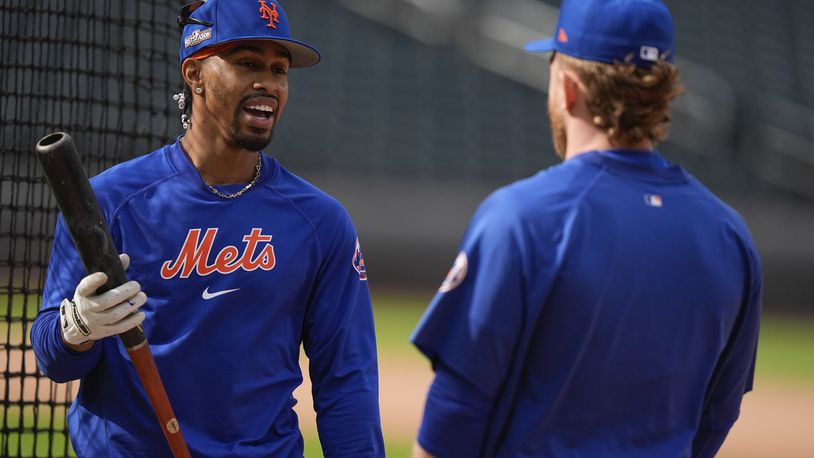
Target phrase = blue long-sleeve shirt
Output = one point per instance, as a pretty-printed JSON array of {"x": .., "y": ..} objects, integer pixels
[
  {"x": 234, "y": 288},
  {"x": 606, "y": 307}
]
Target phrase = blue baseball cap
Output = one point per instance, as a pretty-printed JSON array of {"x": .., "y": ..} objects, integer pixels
[
  {"x": 612, "y": 31},
  {"x": 206, "y": 24}
]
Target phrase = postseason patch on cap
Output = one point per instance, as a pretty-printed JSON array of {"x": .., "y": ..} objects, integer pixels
[{"x": 197, "y": 37}]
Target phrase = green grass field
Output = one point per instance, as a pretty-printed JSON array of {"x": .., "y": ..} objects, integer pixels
[
  {"x": 786, "y": 349},
  {"x": 396, "y": 317},
  {"x": 785, "y": 354}
]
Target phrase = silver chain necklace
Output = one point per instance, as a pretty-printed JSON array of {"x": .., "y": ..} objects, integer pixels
[{"x": 235, "y": 195}]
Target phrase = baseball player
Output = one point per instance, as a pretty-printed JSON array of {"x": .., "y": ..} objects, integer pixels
[
  {"x": 235, "y": 263},
  {"x": 607, "y": 306}
]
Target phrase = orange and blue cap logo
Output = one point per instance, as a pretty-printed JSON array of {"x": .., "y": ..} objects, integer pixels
[
  {"x": 269, "y": 13},
  {"x": 562, "y": 37}
]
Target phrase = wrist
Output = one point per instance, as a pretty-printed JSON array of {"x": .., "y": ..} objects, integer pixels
[
  {"x": 74, "y": 331},
  {"x": 82, "y": 347}
]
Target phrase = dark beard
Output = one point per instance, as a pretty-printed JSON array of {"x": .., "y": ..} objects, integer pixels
[
  {"x": 558, "y": 134},
  {"x": 242, "y": 140}
]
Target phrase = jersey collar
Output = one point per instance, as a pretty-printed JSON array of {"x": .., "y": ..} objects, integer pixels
[
  {"x": 636, "y": 162},
  {"x": 180, "y": 161}
]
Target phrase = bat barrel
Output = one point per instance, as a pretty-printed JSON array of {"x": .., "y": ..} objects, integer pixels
[
  {"x": 77, "y": 202},
  {"x": 80, "y": 210}
]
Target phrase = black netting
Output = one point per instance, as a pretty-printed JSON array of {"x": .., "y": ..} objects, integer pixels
[{"x": 102, "y": 71}]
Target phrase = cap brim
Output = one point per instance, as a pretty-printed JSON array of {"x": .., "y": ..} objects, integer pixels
[
  {"x": 539, "y": 46},
  {"x": 302, "y": 55}
]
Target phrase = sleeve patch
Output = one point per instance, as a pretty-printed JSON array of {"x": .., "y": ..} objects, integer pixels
[
  {"x": 359, "y": 262},
  {"x": 456, "y": 274}
]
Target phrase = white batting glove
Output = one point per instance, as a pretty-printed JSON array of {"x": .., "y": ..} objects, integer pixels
[{"x": 91, "y": 317}]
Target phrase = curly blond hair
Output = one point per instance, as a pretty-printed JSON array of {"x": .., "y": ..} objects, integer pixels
[{"x": 629, "y": 103}]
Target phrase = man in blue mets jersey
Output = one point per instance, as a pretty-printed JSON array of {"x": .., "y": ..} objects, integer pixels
[
  {"x": 235, "y": 263},
  {"x": 607, "y": 306}
]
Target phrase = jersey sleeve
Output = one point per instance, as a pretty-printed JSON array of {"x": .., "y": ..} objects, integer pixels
[
  {"x": 339, "y": 339},
  {"x": 473, "y": 323},
  {"x": 65, "y": 270},
  {"x": 735, "y": 370},
  {"x": 455, "y": 413}
]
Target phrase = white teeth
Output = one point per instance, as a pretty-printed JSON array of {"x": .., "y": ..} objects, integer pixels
[{"x": 261, "y": 108}]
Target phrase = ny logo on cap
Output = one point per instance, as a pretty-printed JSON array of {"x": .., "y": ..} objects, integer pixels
[
  {"x": 269, "y": 13},
  {"x": 562, "y": 37}
]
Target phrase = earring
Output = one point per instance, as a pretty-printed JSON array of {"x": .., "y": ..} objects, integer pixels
[
  {"x": 199, "y": 90},
  {"x": 182, "y": 101},
  {"x": 185, "y": 121}
]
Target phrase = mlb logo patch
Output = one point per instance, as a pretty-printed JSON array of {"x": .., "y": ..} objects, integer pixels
[
  {"x": 653, "y": 200},
  {"x": 649, "y": 53}
]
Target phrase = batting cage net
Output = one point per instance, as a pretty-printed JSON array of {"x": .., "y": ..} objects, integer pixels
[{"x": 102, "y": 71}]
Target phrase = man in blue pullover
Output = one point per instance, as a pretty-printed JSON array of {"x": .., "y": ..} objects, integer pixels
[
  {"x": 240, "y": 263},
  {"x": 608, "y": 306}
]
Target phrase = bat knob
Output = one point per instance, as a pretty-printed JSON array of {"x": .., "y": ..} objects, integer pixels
[{"x": 54, "y": 142}]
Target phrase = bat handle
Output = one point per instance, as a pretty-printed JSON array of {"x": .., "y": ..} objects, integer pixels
[{"x": 147, "y": 371}]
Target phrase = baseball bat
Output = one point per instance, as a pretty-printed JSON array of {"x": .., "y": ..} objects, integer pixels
[{"x": 69, "y": 183}]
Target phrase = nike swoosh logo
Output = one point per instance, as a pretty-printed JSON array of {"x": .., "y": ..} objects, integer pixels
[{"x": 207, "y": 295}]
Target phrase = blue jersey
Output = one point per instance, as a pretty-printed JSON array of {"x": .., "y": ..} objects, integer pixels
[
  {"x": 608, "y": 306},
  {"x": 234, "y": 288}
]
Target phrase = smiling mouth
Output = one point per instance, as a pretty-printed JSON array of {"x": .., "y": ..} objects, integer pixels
[{"x": 260, "y": 111}]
